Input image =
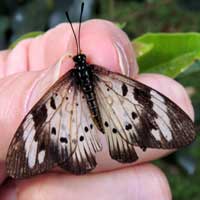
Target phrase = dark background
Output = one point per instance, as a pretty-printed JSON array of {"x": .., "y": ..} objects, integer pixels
[{"x": 18, "y": 17}]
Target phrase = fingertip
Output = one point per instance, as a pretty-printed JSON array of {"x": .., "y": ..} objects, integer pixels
[
  {"x": 158, "y": 183},
  {"x": 103, "y": 43},
  {"x": 170, "y": 88},
  {"x": 46, "y": 50},
  {"x": 108, "y": 46}
]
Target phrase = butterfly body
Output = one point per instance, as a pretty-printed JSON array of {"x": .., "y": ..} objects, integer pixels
[{"x": 83, "y": 78}]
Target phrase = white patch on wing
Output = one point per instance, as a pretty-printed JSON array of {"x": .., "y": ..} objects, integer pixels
[
  {"x": 164, "y": 129},
  {"x": 157, "y": 96},
  {"x": 29, "y": 141},
  {"x": 163, "y": 120},
  {"x": 41, "y": 156},
  {"x": 28, "y": 126},
  {"x": 156, "y": 134},
  {"x": 32, "y": 154}
]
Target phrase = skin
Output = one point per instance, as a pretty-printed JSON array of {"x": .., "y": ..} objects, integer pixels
[{"x": 26, "y": 73}]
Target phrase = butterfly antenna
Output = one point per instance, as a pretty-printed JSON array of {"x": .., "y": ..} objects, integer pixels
[
  {"x": 79, "y": 30},
  {"x": 67, "y": 15}
]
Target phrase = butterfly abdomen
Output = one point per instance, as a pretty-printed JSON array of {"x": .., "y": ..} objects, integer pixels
[{"x": 84, "y": 78}]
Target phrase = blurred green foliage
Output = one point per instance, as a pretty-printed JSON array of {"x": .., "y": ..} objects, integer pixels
[
  {"x": 18, "y": 17},
  {"x": 176, "y": 55},
  {"x": 170, "y": 54}
]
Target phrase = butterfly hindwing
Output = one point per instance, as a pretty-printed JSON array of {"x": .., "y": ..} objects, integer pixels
[
  {"x": 139, "y": 114},
  {"x": 83, "y": 159},
  {"x": 120, "y": 149}
]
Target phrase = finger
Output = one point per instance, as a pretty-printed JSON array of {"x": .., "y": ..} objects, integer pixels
[
  {"x": 138, "y": 183},
  {"x": 108, "y": 46},
  {"x": 101, "y": 41}
]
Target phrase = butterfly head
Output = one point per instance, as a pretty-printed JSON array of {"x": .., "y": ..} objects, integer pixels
[{"x": 79, "y": 59}]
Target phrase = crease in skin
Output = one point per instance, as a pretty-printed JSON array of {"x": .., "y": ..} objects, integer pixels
[
  {"x": 27, "y": 56},
  {"x": 3, "y": 57},
  {"x": 17, "y": 60},
  {"x": 122, "y": 59},
  {"x": 42, "y": 83}
]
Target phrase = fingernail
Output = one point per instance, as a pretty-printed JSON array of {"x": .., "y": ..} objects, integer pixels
[
  {"x": 122, "y": 59},
  {"x": 45, "y": 80}
]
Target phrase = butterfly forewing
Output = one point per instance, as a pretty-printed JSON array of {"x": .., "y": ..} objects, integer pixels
[
  {"x": 139, "y": 114},
  {"x": 52, "y": 132}
]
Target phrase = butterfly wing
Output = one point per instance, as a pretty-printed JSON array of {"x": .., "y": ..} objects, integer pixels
[
  {"x": 135, "y": 114},
  {"x": 50, "y": 133},
  {"x": 83, "y": 159}
]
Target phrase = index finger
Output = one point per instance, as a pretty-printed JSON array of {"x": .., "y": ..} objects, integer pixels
[{"x": 102, "y": 42}]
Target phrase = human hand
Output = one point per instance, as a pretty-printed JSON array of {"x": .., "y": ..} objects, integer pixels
[{"x": 21, "y": 87}]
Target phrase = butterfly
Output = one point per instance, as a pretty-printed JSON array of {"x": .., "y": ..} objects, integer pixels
[{"x": 63, "y": 127}]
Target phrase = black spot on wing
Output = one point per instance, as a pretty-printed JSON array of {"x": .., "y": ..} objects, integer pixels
[
  {"x": 106, "y": 124},
  {"x": 81, "y": 138},
  {"x": 124, "y": 89},
  {"x": 63, "y": 140},
  {"x": 128, "y": 127},
  {"x": 53, "y": 131},
  {"x": 86, "y": 129},
  {"x": 143, "y": 96},
  {"x": 39, "y": 115},
  {"x": 114, "y": 130},
  {"x": 42, "y": 146},
  {"x": 134, "y": 115},
  {"x": 52, "y": 103}
]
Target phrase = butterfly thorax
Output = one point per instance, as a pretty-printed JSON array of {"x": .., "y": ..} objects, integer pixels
[{"x": 84, "y": 76}]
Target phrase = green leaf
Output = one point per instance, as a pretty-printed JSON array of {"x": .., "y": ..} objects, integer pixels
[
  {"x": 25, "y": 36},
  {"x": 171, "y": 53},
  {"x": 141, "y": 48}
]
